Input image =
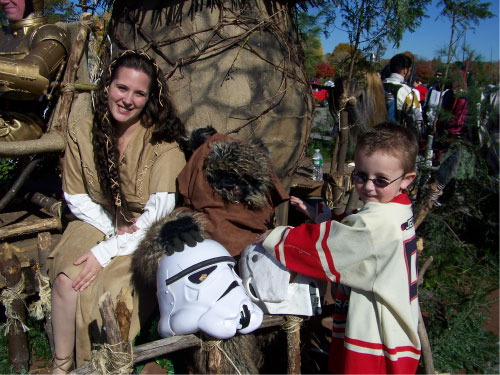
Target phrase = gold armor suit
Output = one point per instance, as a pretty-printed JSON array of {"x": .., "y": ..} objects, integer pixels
[{"x": 31, "y": 55}]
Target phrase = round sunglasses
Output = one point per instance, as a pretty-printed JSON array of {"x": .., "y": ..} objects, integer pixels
[{"x": 361, "y": 178}]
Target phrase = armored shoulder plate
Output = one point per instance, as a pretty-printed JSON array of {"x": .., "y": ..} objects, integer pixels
[{"x": 50, "y": 32}]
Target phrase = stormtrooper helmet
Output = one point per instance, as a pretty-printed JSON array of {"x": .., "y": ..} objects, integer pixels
[
  {"x": 198, "y": 289},
  {"x": 272, "y": 286}
]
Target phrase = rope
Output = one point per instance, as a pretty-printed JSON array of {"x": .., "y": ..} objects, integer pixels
[
  {"x": 87, "y": 24},
  {"x": 216, "y": 344},
  {"x": 106, "y": 360},
  {"x": 68, "y": 87},
  {"x": 8, "y": 296},
  {"x": 351, "y": 100},
  {"x": 37, "y": 309},
  {"x": 292, "y": 323}
]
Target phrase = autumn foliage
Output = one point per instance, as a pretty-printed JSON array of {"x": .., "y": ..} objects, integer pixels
[{"x": 323, "y": 70}]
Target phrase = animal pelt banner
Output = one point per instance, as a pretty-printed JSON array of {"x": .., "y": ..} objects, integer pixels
[{"x": 235, "y": 65}]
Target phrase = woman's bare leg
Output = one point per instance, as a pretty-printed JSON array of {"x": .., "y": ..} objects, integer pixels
[{"x": 63, "y": 322}]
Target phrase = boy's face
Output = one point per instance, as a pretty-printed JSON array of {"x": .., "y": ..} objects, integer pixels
[{"x": 380, "y": 166}]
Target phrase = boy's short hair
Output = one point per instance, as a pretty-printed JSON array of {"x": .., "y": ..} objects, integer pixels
[
  {"x": 393, "y": 139},
  {"x": 399, "y": 62}
]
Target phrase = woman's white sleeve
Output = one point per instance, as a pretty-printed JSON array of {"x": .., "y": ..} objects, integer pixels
[
  {"x": 157, "y": 206},
  {"x": 85, "y": 209}
]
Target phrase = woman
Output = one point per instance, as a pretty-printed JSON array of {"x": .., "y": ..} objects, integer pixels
[{"x": 119, "y": 177}]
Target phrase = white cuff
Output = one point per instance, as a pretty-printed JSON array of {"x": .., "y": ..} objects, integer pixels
[
  {"x": 157, "y": 206},
  {"x": 85, "y": 209}
]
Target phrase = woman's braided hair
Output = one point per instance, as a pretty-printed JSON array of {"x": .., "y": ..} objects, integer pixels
[{"x": 158, "y": 114}]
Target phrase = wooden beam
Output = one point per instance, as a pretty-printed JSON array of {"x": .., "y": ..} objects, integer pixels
[
  {"x": 49, "y": 142},
  {"x": 29, "y": 227}
]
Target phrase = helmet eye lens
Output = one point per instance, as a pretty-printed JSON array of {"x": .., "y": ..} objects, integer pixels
[{"x": 199, "y": 276}]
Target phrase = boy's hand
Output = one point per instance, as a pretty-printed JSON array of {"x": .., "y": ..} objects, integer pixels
[{"x": 303, "y": 207}]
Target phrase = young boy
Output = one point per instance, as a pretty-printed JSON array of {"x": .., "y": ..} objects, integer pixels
[{"x": 373, "y": 253}]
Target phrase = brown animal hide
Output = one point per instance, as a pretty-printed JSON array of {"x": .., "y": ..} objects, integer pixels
[{"x": 235, "y": 65}]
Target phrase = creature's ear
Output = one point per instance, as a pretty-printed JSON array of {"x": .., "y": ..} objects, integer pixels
[{"x": 196, "y": 139}]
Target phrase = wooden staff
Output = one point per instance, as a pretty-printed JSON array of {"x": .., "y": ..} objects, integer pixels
[
  {"x": 422, "y": 331},
  {"x": 444, "y": 175}
]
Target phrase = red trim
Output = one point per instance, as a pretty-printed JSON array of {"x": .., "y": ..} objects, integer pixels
[
  {"x": 401, "y": 198},
  {"x": 277, "y": 246},
  {"x": 345, "y": 361},
  {"x": 371, "y": 345},
  {"x": 328, "y": 253}
]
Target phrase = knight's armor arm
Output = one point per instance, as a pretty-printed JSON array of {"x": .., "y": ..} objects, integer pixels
[{"x": 35, "y": 56}]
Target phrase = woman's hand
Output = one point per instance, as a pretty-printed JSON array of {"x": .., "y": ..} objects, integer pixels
[
  {"x": 89, "y": 272},
  {"x": 129, "y": 228}
]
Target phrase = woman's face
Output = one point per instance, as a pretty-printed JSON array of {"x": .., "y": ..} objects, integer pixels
[
  {"x": 128, "y": 95},
  {"x": 14, "y": 9}
]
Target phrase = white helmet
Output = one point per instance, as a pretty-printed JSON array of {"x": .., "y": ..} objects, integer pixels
[
  {"x": 268, "y": 284},
  {"x": 198, "y": 289}
]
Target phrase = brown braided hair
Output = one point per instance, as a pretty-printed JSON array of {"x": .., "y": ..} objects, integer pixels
[{"x": 157, "y": 114}]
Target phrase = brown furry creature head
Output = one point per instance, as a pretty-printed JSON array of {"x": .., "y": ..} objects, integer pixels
[{"x": 240, "y": 172}]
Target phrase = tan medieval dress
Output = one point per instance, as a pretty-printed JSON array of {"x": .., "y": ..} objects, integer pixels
[{"x": 143, "y": 173}]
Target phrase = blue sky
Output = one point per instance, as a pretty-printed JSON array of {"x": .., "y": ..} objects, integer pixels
[{"x": 434, "y": 34}]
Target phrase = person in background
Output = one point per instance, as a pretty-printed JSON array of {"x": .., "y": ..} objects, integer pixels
[
  {"x": 402, "y": 102},
  {"x": 422, "y": 90},
  {"x": 119, "y": 174},
  {"x": 35, "y": 49},
  {"x": 371, "y": 255}
]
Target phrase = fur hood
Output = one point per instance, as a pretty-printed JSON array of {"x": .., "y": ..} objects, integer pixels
[
  {"x": 146, "y": 257},
  {"x": 244, "y": 165}
]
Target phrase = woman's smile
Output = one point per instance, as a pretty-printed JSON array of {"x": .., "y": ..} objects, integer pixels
[{"x": 128, "y": 95}]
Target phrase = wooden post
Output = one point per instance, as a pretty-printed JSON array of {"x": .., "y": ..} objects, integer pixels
[
  {"x": 214, "y": 357},
  {"x": 338, "y": 177},
  {"x": 116, "y": 324},
  {"x": 292, "y": 329},
  {"x": 44, "y": 247},
  {"x": 60, "y": 117},
  {"x": 17, "y": 347}
]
